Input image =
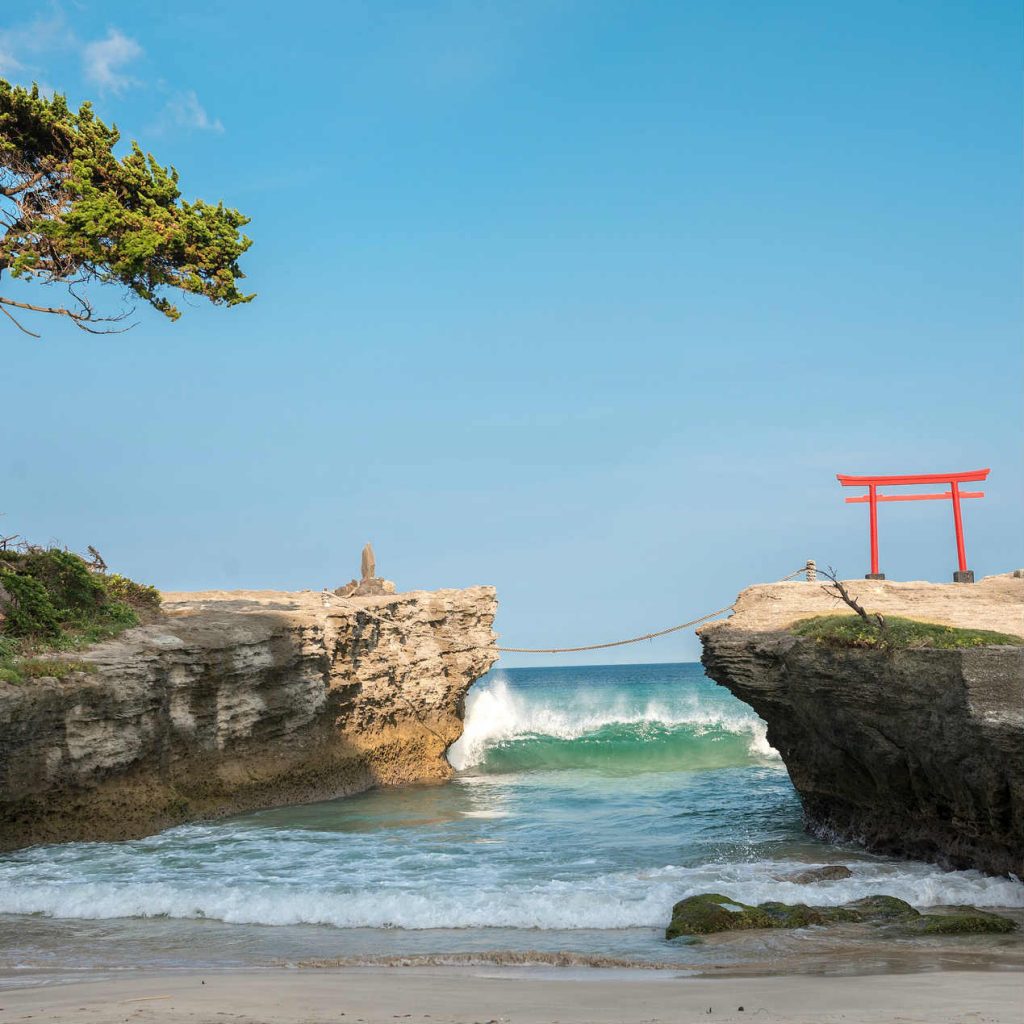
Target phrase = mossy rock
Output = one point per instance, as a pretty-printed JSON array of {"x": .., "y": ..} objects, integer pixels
[
  {"x": 800, "y": 915},
  {"x": 796, "y": 915},
  {"x": 826, "y": 873},
  {"x": 965, "y": 921},
  {"x": 711, "y": 912},
  {"x": 882, "y": 908}
]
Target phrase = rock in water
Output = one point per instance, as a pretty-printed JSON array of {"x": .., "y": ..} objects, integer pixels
[
  {"x": 827, "y": 873},
  {"x": 712, "y": 912},
  {"x": 883, "y": 908},
  {"x": 963, "y": 921},
  {"x": 709, "y": 913}
]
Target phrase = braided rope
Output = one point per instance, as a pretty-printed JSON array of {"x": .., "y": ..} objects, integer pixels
[
  {"x": 615, "y": 643},
  {"x": 635, "y": 639}
]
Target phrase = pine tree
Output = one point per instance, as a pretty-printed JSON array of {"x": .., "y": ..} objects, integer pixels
[{"x": 74, "y": 213}]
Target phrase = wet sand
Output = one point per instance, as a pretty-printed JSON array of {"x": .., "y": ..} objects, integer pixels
[{"x": 511, "y": 996}]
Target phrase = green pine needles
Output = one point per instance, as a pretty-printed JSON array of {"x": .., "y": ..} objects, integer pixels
[{"x": 74, "y": 214}]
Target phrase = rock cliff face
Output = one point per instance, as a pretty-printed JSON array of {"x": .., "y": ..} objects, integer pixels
[
  {"x": 238, "y": 700},
  {"x": 918, "y": 753}
]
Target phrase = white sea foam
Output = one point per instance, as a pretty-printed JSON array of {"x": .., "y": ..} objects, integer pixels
[
  {"x": 496, "y": 713},
  {"x": 618, "y": 900}
]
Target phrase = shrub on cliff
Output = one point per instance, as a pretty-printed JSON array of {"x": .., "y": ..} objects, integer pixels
[
  {"x": 28, "y": 610},
  {"x": 71, "y": 589},
  {"x": 53, "y": 600},
  {"x": 142, "y": 599}
]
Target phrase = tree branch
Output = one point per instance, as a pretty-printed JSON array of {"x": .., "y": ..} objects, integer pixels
[
  {"x": 836, "y": 588},
  {"x": 21, "y": 327},
  {"x": 24, "y": 185},
  {"x": 80, "y": 320}
]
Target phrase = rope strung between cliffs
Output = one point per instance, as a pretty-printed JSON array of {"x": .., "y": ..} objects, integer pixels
[
  {"x": 808, "y": 569},
  {"x": 615, "y": 643},
  {"x": 646, "y": 636}
]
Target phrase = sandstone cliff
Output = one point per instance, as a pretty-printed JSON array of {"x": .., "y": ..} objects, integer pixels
[
  {"x": 238, "y": 700},
  {"x": 918, "y": 753}
]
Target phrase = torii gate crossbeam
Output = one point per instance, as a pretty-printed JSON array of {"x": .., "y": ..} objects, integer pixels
[{"x": 954, "y": 494}]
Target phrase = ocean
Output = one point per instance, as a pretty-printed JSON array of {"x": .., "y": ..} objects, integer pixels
[{"x": 586, "y": 801}]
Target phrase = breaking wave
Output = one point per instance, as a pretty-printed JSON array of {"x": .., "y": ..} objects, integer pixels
[{"x": 511, "y": 731}]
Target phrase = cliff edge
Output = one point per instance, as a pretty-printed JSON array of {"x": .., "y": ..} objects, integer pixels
[
  {"x": 917, "y": 752},
  {"x": 237, "y": 700}
]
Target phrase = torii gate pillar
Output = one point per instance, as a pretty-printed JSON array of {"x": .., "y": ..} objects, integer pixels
[{"x": 954, "y": 494}]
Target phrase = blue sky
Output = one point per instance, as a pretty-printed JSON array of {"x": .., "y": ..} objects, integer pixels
[{"x": 586, "y": 300}]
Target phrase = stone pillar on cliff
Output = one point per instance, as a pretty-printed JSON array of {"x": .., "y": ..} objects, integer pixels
[{"x": 370, "y": 584}]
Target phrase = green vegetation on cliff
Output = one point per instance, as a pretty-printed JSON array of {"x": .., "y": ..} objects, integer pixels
[
  {"x": 854, "y": 631},
  {"x": 53, "y": 600}
]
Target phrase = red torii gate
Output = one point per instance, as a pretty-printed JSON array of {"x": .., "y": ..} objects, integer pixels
[{"x": 872, "y": 483}]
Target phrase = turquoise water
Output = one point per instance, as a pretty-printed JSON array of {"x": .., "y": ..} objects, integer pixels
[{"x": 586, "y": 802}]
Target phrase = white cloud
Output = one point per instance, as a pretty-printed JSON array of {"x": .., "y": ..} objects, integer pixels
[
  {"x": 185, "y": 111},
  {"x": 104, "y": 59},
  {"x": 19, "y": 45},
  {"x": 9, "y": 64},
  {"x": 25, "y": 48}
]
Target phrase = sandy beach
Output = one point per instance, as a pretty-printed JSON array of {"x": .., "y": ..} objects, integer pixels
[{"x": 496, "y": 996}]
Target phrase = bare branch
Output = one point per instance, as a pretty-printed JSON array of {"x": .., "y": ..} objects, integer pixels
[
  {"x": 21, "y": 327},
  {"x": 97, "y": 564},
  {"x": 81, "y": 320},
  {"x": 836, "y": 588}
]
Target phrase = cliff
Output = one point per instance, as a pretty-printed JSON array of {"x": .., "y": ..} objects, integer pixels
[
  {"x": 914, "y": 752},
  {"x": 240, "y": 700}
]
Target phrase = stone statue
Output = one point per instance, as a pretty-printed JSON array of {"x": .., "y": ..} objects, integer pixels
[{"x": 370, "y": 585}]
